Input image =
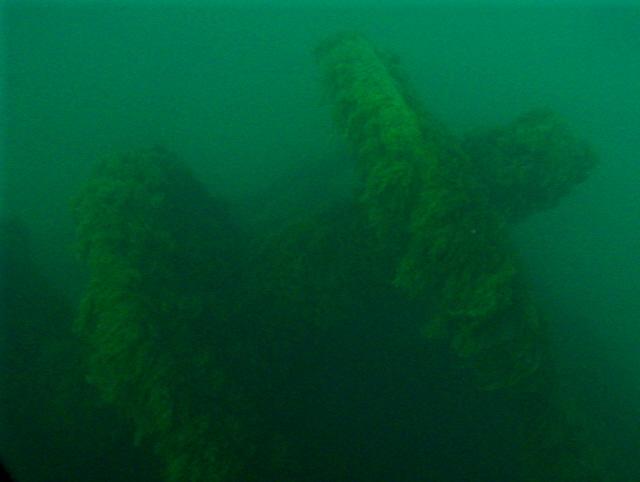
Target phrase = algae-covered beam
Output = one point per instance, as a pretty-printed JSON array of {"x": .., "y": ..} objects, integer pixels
[
  {"x": 530, "y": 164},
  {"x": 380, "y": 126},
  {"x": 431, "y": 215},
  {"x": 436, "y": 217},
  {"x": 154, "y": 315}
]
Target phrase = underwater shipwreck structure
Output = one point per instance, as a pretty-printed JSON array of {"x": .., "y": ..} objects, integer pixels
[{"x": 288, "y": 355}]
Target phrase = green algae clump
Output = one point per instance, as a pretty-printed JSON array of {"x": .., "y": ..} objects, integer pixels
[{"x": 157, "y": 247}]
